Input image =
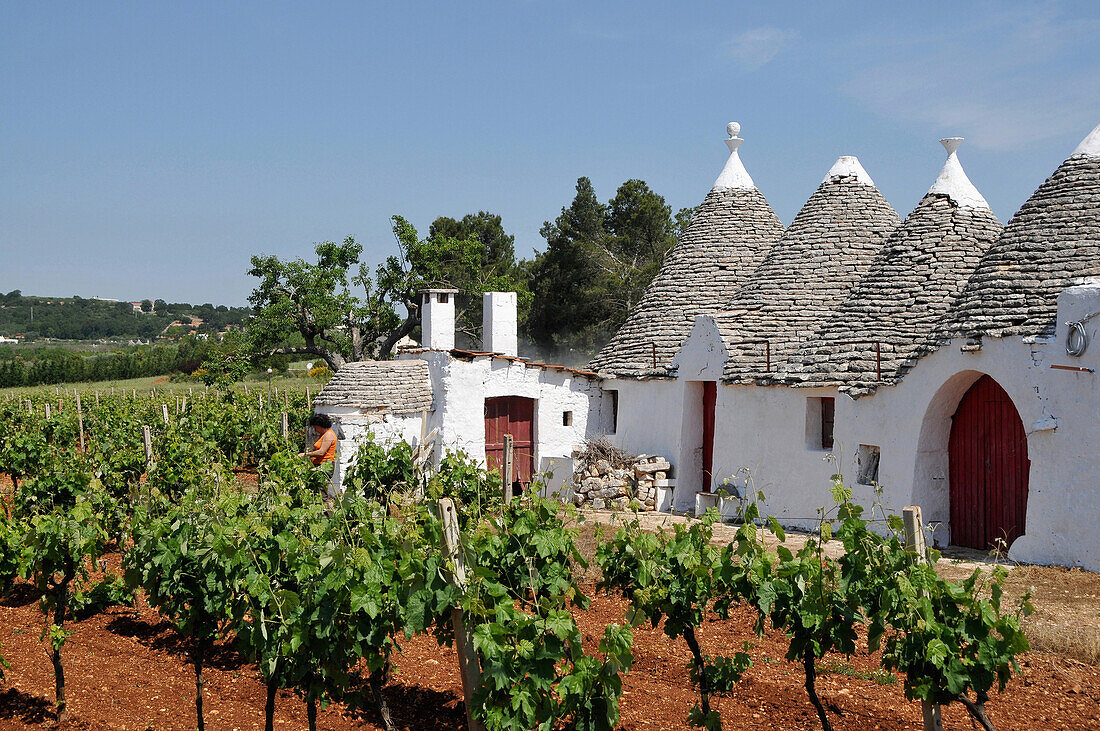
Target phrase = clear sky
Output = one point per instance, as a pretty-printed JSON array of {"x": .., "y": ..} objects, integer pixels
[{"x": 148, "y": 149}]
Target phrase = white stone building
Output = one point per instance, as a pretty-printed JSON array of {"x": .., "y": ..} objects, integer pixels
[
  {"x": 941, "y": 359},
  {"x": 467, "y": 401}
]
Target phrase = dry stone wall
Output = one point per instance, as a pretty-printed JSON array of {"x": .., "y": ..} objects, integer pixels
[{"x": 602, "y": 485}]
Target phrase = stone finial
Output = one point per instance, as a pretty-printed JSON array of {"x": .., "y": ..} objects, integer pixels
[
  {"x": 951, "y": 144},
  {"x": 1090, "y": 146},
  {"x": 734, "y": 175},
  {"x": 847, "y": 166},
  {"x": 952, "y": 181},
  {"x": 733, "y": 129}
]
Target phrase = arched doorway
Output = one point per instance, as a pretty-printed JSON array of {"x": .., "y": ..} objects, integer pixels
[{"x": 988, "y": 468}]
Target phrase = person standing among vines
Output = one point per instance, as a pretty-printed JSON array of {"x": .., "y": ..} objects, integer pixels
[{"x": 323, "y": 454}]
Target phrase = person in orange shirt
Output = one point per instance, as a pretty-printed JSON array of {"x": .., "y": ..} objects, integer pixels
[{"x": 323, "y": 454}]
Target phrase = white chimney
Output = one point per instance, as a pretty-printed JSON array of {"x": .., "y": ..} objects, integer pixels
[
  {"x": 437, "y": 318},
  {"x": 499, "y": 329}
]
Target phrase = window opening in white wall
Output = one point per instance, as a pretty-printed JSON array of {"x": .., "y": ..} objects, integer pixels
[
  {"x": 567, "y": 418},
  {"x": 820, "y": 417},
  {"x": 867, "y": 458},
  {"x": 443, "y": 298},
  {"x": 613, "y": 396}
]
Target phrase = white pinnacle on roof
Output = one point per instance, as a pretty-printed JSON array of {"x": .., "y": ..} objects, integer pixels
[
  {"x": 1090, "y": 146},
  {"x": 734, "y": 175},
  {"x": 847, "y": 166},
  {"x": 953, "y": 182}
]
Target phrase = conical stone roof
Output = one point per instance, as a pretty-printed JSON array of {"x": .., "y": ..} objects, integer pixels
[
  {"x": 807, "y": 274},
  {"x": 1051, "y": 242},
  {"x": 887, "y": 322},
  {"x": 727, "y": 239}
]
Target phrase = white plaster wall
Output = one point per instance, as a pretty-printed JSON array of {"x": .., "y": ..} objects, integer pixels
[{"x": 461, "y": 387}]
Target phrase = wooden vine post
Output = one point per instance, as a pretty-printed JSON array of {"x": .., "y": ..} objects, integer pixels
[
  {"x": 47, "y": 411},
  {"x": 469, "y": 667},
  {"x": 509, "y": 465},
  {"x": 914, "y": 543},
  {"x": 164, "y": 412},
  {"x": 285, "y": 426},
  {"x": 80, "y": 421},
  {"x": 147, "y": 439}
]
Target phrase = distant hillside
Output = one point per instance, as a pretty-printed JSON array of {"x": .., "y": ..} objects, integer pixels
[{"x": 76, "y": 318}]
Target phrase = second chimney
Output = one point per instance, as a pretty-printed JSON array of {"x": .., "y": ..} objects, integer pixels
[{"x": 499, "y": 328}]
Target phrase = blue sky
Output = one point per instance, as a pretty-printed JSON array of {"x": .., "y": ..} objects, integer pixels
[{"x": 148, "y": 149}]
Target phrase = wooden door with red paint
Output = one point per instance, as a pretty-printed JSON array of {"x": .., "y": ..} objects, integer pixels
[
  {"x": 710, "y": 401},
  {"x": 513, "y": 415},
  {"x": 989, "y": 468}
]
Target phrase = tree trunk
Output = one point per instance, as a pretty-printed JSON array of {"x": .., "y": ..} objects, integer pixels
[
  {"x": 269, "y": 706},
  {"x": 808, "y": 661},
  {"x": 376, "y": 681},
  {"x": 977, "y": 710},
  {"x": 200, "y": 655},
  {"x": 701, "y": 671},
  {"x": 61, "y": 601},
  {"x": 311, "y": 714}
]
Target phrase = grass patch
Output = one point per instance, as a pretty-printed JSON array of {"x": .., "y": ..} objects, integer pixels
[{"x": 838, "y": 667}]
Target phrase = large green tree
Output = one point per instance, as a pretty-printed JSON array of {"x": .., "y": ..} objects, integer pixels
[
  {"x": 500, "y": 271},
  {"x": 335, "y": 309},
  {"x": 598, "y": 261}
]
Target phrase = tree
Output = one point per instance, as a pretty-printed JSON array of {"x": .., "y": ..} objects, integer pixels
[
  {"x": 562, "y": 277},
  {"x": 146, "y": 306},
  {"x": 598, "y": 261},
  {"x": 305, "y": 308},
  {"x": 500, "y": 270}
]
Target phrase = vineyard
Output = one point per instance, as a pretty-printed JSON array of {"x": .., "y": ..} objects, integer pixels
[{"x": 202, "y": 510}]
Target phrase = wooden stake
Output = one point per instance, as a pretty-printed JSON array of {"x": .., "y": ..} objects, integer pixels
[
  {"x": 147, "y": 438},
  {"x": 80, "y": 421},
  {"x": 914, "y": 542},
  {"x": 164, "y": 412},
  {"x": 47, "y": 411},
  {"x": 97, "y": 398},
  {"x": 309, "y": 403},
  {"x": 469, "y": 667},
  {"x": 509, "y": 461},
  {"x": 285, "y": 426}
]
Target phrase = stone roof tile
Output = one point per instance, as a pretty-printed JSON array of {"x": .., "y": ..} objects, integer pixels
[
  {"x": 807, "y": 274},
  {"x": 397, "y": 386}
]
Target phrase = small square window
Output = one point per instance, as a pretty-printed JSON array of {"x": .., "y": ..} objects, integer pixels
[
  {"x": 867, "y": 458},
  {"x": 567, "y": 418},
  {"x": 443, "y": 298}
]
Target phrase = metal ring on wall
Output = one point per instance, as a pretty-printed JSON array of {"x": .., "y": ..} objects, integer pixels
[{"x": 1076, "y": 339}]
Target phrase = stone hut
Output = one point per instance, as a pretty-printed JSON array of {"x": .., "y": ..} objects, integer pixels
[
  {"x": 1052, "y": 243},
  {"x": 806, "y": 275},
  {"x": 725, "y": 242},
  {"x": 888, "y": 320}
]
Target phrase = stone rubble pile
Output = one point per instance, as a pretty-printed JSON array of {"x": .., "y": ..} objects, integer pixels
[{"x": 602, "y": 485}]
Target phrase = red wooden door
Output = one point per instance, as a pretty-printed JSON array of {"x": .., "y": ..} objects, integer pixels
[
  {"x": 516, "y": 416},
  {"x": 710, "y": 400},
  {"x": 989, "y": 468}
]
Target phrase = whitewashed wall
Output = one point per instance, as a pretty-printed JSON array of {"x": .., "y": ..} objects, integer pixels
[{"x": 461, "y": 387}]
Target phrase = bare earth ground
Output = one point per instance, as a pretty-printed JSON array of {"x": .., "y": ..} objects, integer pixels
[{"x": 127, "y": 669}]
